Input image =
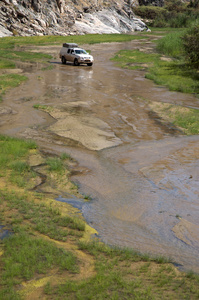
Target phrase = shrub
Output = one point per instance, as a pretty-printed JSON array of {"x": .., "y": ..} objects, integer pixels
[
  {"x": 191, "y": 45},
  {"x": 171, "y": 44},
  {"x": 194, "y": 3},
  {"x": 174, "y": 14},
  {"x": 177, "y": 6},
  {"x": 149, "y": 12}
]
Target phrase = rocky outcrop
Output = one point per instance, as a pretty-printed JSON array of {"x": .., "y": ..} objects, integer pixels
[{"x": 61, "y": 17}]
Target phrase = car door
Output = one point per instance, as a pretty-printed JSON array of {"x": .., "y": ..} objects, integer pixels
[
  {"x": 72, "y": 55},
  {"x": 68, "y": 55}
]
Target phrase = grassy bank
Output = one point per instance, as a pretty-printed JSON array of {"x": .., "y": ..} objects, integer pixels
[
  {"x": 166, "y": 66},
  {"x": 47, "y": 254},
  {"x": 12, "y": 42}
]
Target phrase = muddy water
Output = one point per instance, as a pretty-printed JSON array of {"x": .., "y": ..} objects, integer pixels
[{"x": 142, "y": 176}]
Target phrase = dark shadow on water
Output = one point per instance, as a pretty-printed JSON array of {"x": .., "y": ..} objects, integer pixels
[
  {"x": 4, "y": 232},
  {"x": 75, "y": 202}
]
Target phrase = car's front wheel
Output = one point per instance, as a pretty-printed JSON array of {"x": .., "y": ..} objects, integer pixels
[
  {"x": 63, "y": 60},
  {"x": 76, "y": 63}
]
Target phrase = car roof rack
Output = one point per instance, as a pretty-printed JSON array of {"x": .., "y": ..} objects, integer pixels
[{"x": 70, "y": 45}]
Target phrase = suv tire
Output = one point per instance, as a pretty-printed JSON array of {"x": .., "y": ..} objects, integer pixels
[
  {"x": 63, "y": 60},
  {"x": 76, "y": 63}
]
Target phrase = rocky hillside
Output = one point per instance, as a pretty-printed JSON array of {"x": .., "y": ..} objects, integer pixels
[{"x": 67, "y": 17}]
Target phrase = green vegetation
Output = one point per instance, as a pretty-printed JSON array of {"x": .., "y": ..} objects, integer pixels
[
  {"x": 171, "y": 66},
  {"x": 24, "y": 56},
  {"x": 184, "y": 118},
  {"x": 13, "y": 42},
  {"x": 28, "y": 216},
  {"x": 13, "y": 160},
  {"x": 46, "y": 255},
  {"x": 10, "y": 81},
  {"x": 8, "y": 60},
  {"x": 26, "y": 255},
  {"x": 55, "y": 164},
  {"x": 176, "y": 14},
  {"x": 191, "y": 45},
  {"x": 176, "y": 75},
  {"x": 171, "y": 44},
  {"x": 124, "y": 274},
  {"x": 135, "y": 59}
]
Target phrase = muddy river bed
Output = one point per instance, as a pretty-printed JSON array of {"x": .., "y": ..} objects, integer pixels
[{"x": 142, "y": 175}]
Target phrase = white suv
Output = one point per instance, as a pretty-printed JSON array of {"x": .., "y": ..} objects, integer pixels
[{"x": 71, "y": 52}]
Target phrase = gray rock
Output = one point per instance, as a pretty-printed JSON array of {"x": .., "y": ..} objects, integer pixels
[
  {"x": 4, "y": 32},
  {"x": 60, "y": 17}
]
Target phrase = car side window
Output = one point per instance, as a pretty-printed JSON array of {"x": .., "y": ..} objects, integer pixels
[
  {"x": 68, "y": 51},
  {"x": 72, "y": 51}
]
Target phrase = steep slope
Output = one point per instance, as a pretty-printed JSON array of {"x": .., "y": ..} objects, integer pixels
[{"x": 61, "y": 17}]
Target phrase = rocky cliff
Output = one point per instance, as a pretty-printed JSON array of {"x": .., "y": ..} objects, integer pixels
[{"x": 67, "y": 17}]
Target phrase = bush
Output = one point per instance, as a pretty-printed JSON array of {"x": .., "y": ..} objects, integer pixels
[
  {"x": 177, "y": 6},
  {"x": 191, "y": 45},
  {"x": 174, "y": 14},
  {"x": 194, "y": 3},
  {"x": 171, "y": 44},
  {"x": 149, "y": 12}
]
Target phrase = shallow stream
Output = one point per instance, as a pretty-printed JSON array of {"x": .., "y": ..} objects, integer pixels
[{"x": 142, "y": 176}]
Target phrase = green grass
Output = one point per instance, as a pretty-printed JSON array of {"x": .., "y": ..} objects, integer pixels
[
  {"x": 171, "y": 44},
  {"x": 184, "y": 118},
  {"x": 10, "y": 81},
  {"x": 55, "y": 164},
  {"x": 14, "y": 153},
  {"x": 188, "y": 121},
  {"x": 8, "y": 61},
  {"x": 6, "y": 64},
  {"x": 65, "y": 156},
  {"x": 14, "y": 149},
  {"x": 36, "y": 249},
  {"x": 172, "y": 72},
  {"x": 176, "y": 75},
  {"x": 12, "y": 42},
  {"x": 26, "y": 256},
  {"x": 45, "y": 220},
  {"x": 116, "y": 278},
  {"x": 135, "y": 59},
  {"x": 24, "y": 56}
]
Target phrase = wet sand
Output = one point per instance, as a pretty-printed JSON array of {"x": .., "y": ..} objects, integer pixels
[{"x": 142, "y": 175}]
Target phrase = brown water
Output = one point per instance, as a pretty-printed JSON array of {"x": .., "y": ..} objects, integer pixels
[{"x": 143, "y": 176}]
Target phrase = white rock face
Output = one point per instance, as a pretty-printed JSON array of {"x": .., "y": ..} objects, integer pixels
[
  {"x": 41, "y": 17},
  {"x": 4, "y": 32},
  {"x": 108, "y": 21}
]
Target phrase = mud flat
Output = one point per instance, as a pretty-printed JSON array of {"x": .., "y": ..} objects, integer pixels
[{"x": 141, "y": 174}]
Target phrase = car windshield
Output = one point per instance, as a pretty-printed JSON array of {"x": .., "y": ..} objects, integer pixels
[{"x": 80, "y": 51}]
